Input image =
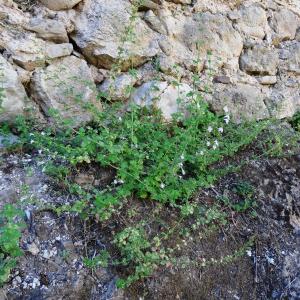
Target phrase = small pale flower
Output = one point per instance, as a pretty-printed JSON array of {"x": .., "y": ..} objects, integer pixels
[
  {"x": 180, "y": 165},
  {"x": 220, "y": 129},
  {"x": 227, "y": 119},
  {"x": 31, "y": 134},
  {"x": 182, "y": 156},
  {"x": 42, "y": 133},
  {"x": 120, "y": 119},
  {"x": 32, "y": 141},
  {"x": 40, "y": 151},
  {"x": 201, "y": 152},
  {"x": 208, "y": 144},
  {"x": 183, "y": 172},
  {"x": 215, "y": 147},
  {"x": 209, "y": 129},
  {"x": 121, "y": 181},
  {"x": 216, "y": 143},
  {"x": 226, "y": 109},
  {"x": 162, "y": 186}
]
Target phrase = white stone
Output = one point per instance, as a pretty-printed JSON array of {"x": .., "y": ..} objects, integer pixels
[{"x": 12, "y": 103}]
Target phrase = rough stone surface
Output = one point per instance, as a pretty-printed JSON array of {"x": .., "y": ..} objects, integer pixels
[
  {"x": 66, "y": 86},
  {"x": 252, "y": 21},
  {"x": 166, "y": 97},
  {"x": 48, "y": 29},
  {"x": 13, "y": 95},
  {"x": 255, "y": 43},
  {"x": 243, "y": 101},
  {"x": 285, "y": 24},
  {"x": 260, "y": 61},
  {"x": 59, "y": 4},
  {"x": 99, "y": 30}
]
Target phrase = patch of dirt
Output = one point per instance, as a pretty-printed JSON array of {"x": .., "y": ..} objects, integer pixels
[
  {"x": 54, "y": 246},
  {"x": 271, "y": 269}
]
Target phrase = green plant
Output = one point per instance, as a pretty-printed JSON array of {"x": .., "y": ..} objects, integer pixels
[
  {"x": 154, "y": 160},
  {"x": 99, "y": 260},
  {"x": 10, "y": 233},
  {"x": 296, "y": 121}
]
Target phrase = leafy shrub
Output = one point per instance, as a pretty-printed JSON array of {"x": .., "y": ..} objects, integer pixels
[{"x": 10, "y": 233}]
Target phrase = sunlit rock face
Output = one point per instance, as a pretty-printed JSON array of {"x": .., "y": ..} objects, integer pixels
[{"x": 246, "y": 53}]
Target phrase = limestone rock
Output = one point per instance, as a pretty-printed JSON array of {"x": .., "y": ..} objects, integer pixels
[
  {"x": 48, "y": 29},
  {"x": 244, "y": 101},
  {"x": 267, "y": 80},
  {"x": 13, "y": 96},
  {"x": 291, "y": 59},
  {"x": 283, "y": 101},
  {"x": 208, "y": 33},
  {"x": 252, "y": 21},
  {"x": 118, "y": 89},
  {"x": 60, "y": 4},
  {"x": 164, "y": 96},
  {"x": 154, "y": 22},
  {"x": 260, "y": 60},
  {"x": 11, "y": 15},
  {"x": 98, "y": 33},
  {"x": 213, "y": 6},
  {"x": 28, "y": 51},
  {"x": 66, "y": 86},
  {"x": 285, "y": 24}
]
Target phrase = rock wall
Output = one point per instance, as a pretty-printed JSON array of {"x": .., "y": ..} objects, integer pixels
[{"x": 247, "y": 53}]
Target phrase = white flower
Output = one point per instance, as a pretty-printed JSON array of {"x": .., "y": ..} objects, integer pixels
[
  {"x": 32, "y": 141},
  {"x": 182, "y": 156},
  {"x": 249, "y": 253},
  {"x": 220, "y": 129},
  {"x": 226, "y": 109},
  {"x": 208, "y": 144},
  {"x": 43, "y": 133},
  {"x": 227, "y": 119},
  {"x": 120, "y": 119},
  {"x": 40, "y": 151},
  {"x": 209, "y": 129},
  {"x": 31, "y": 134},
  {"x": 121, "y": 181},
  {"x": 216, "y": 143},
  {"x": 183, "y": 172},
  {"x": 215, "y": 147},
  {"x": 162, "y": 186},
  {"x": 201, "y": 152}
]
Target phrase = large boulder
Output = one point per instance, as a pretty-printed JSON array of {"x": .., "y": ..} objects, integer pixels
[
  {"x": 283, "y": 101},
  {"x": 290, "y": 58},
  {"x": 66, "y": 87},
  {"x": 48, "y": 29},
  {"x": 252, "y": 21},
  {"x": 12, "y": 93},
  {"x": 60, "y": 4},
  {"x": 260, "y": 60},
  {"x": 164, "y": 96},
  {"x": 285, "y": 24},
  {"x": 99, "y": 30},
  {"x": 244, "y": 101},
  {"x": 28, "y": 51},
  {"x": 204, "y": 34}
]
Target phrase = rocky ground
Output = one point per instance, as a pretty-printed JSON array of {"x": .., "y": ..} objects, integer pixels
[{"x": 54, "y": 245}]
